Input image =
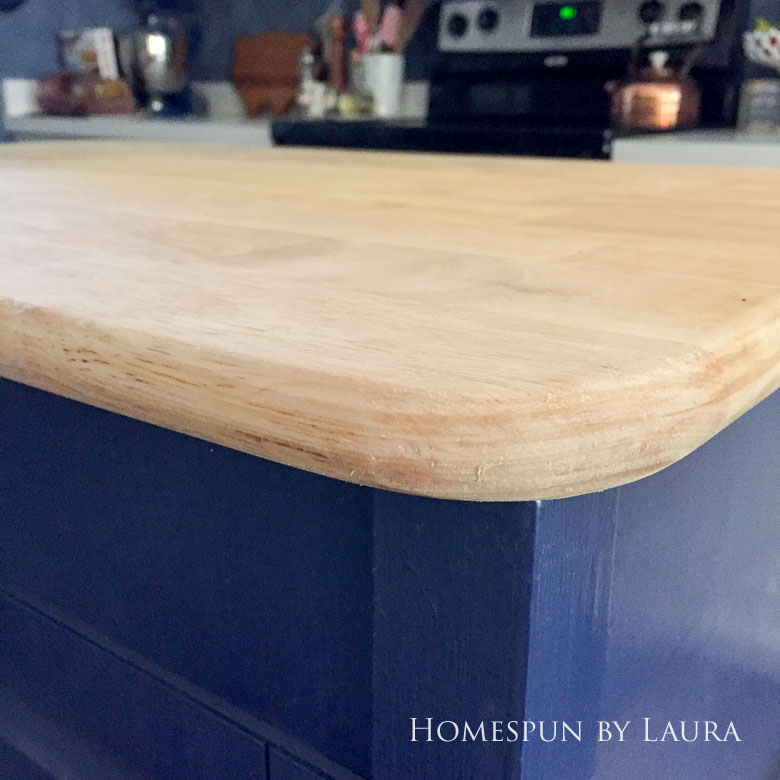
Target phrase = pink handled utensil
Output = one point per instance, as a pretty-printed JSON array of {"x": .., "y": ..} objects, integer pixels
[
  {"x": 362, "y": 31},
  {"x": 390, "y": 30}
]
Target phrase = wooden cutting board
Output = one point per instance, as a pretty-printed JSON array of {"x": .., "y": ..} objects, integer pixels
[
  {"x": 265, "y": 70},
  {"x": 466, "y": 327}
]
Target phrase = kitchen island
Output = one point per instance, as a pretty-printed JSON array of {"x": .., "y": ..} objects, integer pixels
[{"x": 299, "y": 446}]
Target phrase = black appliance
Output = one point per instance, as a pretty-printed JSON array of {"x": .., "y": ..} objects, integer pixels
[{"x": 525, "y": 77}]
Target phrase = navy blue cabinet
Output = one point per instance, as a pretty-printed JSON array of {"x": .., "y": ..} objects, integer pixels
[
  {"x": 176, "y": 609},
  {"x": 283, "y": 767},
  {"x": 16, "y": 765}
]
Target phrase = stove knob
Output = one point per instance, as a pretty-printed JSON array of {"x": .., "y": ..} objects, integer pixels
[
  {"x": 690, "y": 12},
  {"x": 488, "y": 19},
  {"x": 457, "y": 25},
  {"x": 651, "y": 11}
]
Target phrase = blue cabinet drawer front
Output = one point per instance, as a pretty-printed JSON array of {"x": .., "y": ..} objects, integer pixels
[
  {"x": 208, "y": 562},
  {"x": 91, "y": 700},
  {"x": 282, "y": 767}
]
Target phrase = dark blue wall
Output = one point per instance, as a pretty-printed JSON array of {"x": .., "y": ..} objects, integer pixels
[
  {"x": 28, "y": 36},
  {"x": 767, "y": 8}
]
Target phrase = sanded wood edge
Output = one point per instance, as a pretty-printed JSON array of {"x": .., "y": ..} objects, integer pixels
[{"x": 531, "y": 448}]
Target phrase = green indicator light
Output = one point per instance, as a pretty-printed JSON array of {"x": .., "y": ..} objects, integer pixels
[{"x": 567, "y": 12}]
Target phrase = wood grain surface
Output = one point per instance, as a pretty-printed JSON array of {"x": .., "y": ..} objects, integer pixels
[{"x": 473, "y": 328}]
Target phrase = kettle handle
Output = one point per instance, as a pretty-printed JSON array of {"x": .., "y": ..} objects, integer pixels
[
  {"x": 636, "y": 50},
  {"x": 690, "y": 60}
]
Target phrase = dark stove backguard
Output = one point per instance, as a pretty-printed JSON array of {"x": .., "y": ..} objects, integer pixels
[{"x": 563, "y": 81}]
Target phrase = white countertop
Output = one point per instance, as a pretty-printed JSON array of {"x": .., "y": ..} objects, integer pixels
[
  {"x": 703, "y": 147},
  {"x": 226, "y": 124},
  {"x": 233, "y": 131}
]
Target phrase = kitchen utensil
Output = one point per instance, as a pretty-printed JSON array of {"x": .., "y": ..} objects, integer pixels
[
  {"x": 306, "y": 64},
  {"x": 362, "y": 32},
  {"x": 656, "y": 97},
  {"x": 154, "y": 62},
  {"x": 337, "y": 72},
  {"x": 266, "y": 70},
  {"x": 371, "y": 10},
  {"x": 390, "y": 29},
  {"x": 413, "y": 11},
  {"x": 322, "y": 27}
]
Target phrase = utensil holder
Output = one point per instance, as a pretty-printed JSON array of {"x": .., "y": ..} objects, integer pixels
[{"x": 384, "y": 79}]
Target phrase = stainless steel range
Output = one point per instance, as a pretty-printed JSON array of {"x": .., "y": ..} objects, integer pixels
[
  {"x": 525, "y": 77},
  {"x": 524, "y": 26}
]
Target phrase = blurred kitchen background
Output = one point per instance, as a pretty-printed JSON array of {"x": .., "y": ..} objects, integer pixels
[
  {"x": 28, "y": 35},
  {"x": 573, "y": 79}
]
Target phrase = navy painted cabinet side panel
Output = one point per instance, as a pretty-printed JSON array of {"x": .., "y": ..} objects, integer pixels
[
  {"x": 695, "y": 608},
  {"x": 661, "y": 600}
]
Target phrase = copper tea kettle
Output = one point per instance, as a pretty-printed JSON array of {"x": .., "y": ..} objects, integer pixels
[{"x": 656, "y": 97}]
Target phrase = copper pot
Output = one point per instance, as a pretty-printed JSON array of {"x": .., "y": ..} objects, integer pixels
[{"x": 656, "y": 97}]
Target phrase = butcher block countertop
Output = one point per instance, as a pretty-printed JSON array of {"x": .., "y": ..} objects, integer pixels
[{"x": 462, "y": 327}]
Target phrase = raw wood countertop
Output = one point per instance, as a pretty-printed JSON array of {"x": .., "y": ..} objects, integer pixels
[{"x": 472, "y": 328}]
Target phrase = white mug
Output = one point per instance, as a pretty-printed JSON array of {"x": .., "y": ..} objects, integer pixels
[{"x": 384, "y": 79}]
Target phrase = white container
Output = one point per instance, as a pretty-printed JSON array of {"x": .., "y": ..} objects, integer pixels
[{"x": 384, "y": 79}]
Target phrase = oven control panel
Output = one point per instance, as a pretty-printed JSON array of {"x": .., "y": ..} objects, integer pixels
[{"x": 526, "y": 26}]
